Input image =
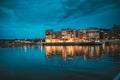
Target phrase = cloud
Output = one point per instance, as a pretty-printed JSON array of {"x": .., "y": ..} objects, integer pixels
[
  {"x": 6, "y": 16},
  {"x": 79, "y": 8},
  {"x": 51, "y": 11},
  {"x": 39, "y": 15},
  {"x": 32, "y": 11}
]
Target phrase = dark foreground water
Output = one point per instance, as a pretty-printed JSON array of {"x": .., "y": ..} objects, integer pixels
[{"x": 60, "y": 62}]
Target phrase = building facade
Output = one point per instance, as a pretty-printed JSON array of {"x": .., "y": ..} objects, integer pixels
[
  {"x": 93, "y": 34},
  {"x": 49, "y": 36},
  {"x": 68, "y": 35},
  {"x": 115, "y": 32},
  {"x": 86, "y": 35}
]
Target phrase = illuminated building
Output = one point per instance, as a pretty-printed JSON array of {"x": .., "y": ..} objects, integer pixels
[
  {"x": 68, "y": 35},
  {"x": 81, "y": 35},
  {"x": 93, "y": 34},
  {"x": 104, "y": 34},
  {"x": 49, "y": 35},
  {"x": 86, "y": 35},
  {"x": 65, "y": 35},
  {"x": 115, "y": 32},
  {"x": 110, "y": 34}
]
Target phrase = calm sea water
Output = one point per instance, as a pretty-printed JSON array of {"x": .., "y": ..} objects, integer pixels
[{"x": 60, "y": 62}]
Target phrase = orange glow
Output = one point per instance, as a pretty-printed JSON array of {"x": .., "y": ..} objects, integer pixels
[
  {"x": 71, "y": 51},
  {"x": 48, "y": 40}
]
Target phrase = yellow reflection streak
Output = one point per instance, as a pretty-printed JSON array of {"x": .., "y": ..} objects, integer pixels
[{"x": 70, "y": 51}]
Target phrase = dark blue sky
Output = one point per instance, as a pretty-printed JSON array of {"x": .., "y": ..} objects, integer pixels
[{"x": 30, "y": 18}]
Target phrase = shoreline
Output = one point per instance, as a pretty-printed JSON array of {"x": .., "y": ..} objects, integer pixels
[
  {"x": 2, "y": 45},
  {"x": 72, "y": 43}
]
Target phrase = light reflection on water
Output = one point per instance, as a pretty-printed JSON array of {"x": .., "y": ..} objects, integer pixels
[
  {"x": 60, "y": 62},
  {"x": 71, "y": 51}
]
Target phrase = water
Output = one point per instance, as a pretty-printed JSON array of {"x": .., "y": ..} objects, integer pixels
[{"x": 60, "y": 62}]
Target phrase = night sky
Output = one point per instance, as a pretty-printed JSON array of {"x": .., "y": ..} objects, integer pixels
[{"x": 30, "y": 18}]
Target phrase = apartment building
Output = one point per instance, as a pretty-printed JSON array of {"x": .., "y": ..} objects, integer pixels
[{"x": 73, "y": 35}]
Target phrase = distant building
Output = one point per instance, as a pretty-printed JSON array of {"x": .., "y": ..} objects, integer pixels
[
  {"x": 72, "y": 35},
  {"x": 49, "y": 35},
  {"x": 115, "y": 32},
  {"x": 93, "y": 34},
  {"x": 81, "y": 35},
  {"x": 86, "y": 35},
  {"x": 68, "y": 34},
  {"x": 104, "y": 34}
]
